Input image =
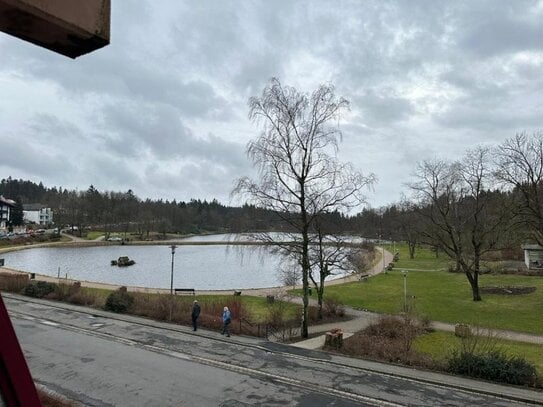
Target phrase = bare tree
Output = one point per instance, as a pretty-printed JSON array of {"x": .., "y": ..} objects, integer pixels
[
  {"x": 299, "y": 175},
  {"x": 462, "y": 218},
  {"x": 408, "y": 224},
  {"x": 520, "y": 166},
  {"x": 329, "y": 253}
]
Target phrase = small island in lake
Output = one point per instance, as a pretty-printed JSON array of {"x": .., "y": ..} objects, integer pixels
[{"x": 123, "y": 261}]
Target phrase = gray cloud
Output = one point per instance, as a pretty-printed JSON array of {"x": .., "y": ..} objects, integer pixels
[
  {"x": 381, "y": 108},
  {"x": 491, "y": 30},
  {"x": 163, "y": 109}
]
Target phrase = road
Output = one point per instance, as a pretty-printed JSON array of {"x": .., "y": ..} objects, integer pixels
[{"x": 103, "y": 359}]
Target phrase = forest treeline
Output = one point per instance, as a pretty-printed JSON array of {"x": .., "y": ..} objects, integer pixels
[{"x": 126, "y": 212}]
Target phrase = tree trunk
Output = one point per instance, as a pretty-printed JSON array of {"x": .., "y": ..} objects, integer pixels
[
  {"x": 475, "y": 284},
  {"x": 305, "y": 278},
  {"x": 475, "y": 291},
  {"x": 320, "y": 290},
  {"x": 412, "y": 246},
  {"x": 319, "y": 299},
  {"x": 473, "y": 279}
]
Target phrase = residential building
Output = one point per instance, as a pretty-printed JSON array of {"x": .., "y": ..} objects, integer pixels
[
  {"x": 6, "y": 206},
  {"x": 37, "y": 213}
]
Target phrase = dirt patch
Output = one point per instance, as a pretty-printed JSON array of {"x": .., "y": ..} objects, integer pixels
[{"x": 510, "y": 290}]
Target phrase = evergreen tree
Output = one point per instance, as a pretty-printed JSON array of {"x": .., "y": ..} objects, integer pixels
[{"x": 17, "y": 213}]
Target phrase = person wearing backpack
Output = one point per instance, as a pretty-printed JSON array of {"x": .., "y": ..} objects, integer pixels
[{"x": 226, "y": 319}]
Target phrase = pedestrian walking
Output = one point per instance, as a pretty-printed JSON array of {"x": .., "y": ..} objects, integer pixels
[
  {"x": 195, "y": 314},
  {"x": 226, "y": 319}
]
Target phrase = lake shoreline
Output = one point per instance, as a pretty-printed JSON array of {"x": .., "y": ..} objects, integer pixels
[{"x": 277, "y": 290}]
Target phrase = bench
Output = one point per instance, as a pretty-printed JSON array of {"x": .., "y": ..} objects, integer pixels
[{"x": 184, "y": 291}]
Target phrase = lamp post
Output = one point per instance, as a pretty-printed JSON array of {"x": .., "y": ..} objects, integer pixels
[
  {"x": 171, "y": 281},
  {"x": 383, "y": 249},
  {"x": 404, "y": 272}
]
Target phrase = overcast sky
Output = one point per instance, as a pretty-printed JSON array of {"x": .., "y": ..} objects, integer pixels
[{"x": 163, "y": 109}]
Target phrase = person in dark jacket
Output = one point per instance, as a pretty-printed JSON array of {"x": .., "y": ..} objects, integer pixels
[
  {"x": 226, "y": 319},
  {"x": 195, "y": 314}
]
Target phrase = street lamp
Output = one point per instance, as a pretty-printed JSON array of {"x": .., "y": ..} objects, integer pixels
[
  {"x": 383, "y": 249},
  {"x": 404, "y": 272},
  {"x": 171, "y": 281}
]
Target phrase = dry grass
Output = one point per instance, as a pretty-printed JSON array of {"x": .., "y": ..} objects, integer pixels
[{"x": 13, "y": 282}]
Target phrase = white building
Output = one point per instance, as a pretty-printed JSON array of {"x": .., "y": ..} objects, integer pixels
[
  {"x": 37, "y": 213},
  {"x": 533, "y": 256},
  {"x": 6, "y": 206}
]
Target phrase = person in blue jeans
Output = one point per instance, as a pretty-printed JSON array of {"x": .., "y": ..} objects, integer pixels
[{"x": 226, "y": 319}]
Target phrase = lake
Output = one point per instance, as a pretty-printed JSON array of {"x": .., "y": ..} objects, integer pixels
[{"x": 209, "y": 267}]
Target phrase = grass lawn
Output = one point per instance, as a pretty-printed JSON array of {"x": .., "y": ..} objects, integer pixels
[
  {"x": 443, "y": 296},
  {"x": 94, "y": 234},
  {"x": 439, "y": 345}
]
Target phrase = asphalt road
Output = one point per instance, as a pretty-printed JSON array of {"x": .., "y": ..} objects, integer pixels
[{"x": 101, "y": 359}]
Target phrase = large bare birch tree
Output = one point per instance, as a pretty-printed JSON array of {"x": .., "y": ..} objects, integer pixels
[{"x": 299, "y": 175}]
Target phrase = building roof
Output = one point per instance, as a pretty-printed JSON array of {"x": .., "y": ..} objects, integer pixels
[
  {"x": 33, "y": 207},
  {"x": 7, "y": 201},
  {"x": 532, "y": 247}
]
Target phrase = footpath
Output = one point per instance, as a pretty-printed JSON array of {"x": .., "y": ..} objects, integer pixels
[{"x": 358, "y": 319}]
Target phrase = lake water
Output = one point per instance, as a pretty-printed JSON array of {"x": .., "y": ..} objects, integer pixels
[{"x": 209, "y": 267}]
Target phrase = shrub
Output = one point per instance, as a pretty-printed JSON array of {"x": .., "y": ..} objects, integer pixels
[
  {"x": 493, "y": 365},
  {"x": 389, "y": 339},
  {"x": 333, "y": 306},
  {"x": 119, "y": 301},
  {"x": 157, "y": 306},
  {"x": 39, "y": 289},
  {"x": 82, "y": 298},
  {"x": 279, "y": 323}
]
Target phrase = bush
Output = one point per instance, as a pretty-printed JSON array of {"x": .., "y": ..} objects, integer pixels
[
  {"x": 494, "y": 365},
  {"x": 389, "y": 339},
  {"x": 158, "y": 307},
  {"x": 333, "y": 306},
  {"x": 39, "y": 289},
  {"x": 82, "y": 298},
  {"x": 119, "y": 301}
]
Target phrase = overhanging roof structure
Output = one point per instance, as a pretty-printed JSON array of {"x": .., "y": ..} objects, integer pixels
[{"x": 69, "y": 27}]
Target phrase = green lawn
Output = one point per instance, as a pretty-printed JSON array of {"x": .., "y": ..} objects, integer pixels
[
  {"x": 94, "y": 234},
  {"x": 443, "y": 296},
  {"x": 439, "y": 345}
]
